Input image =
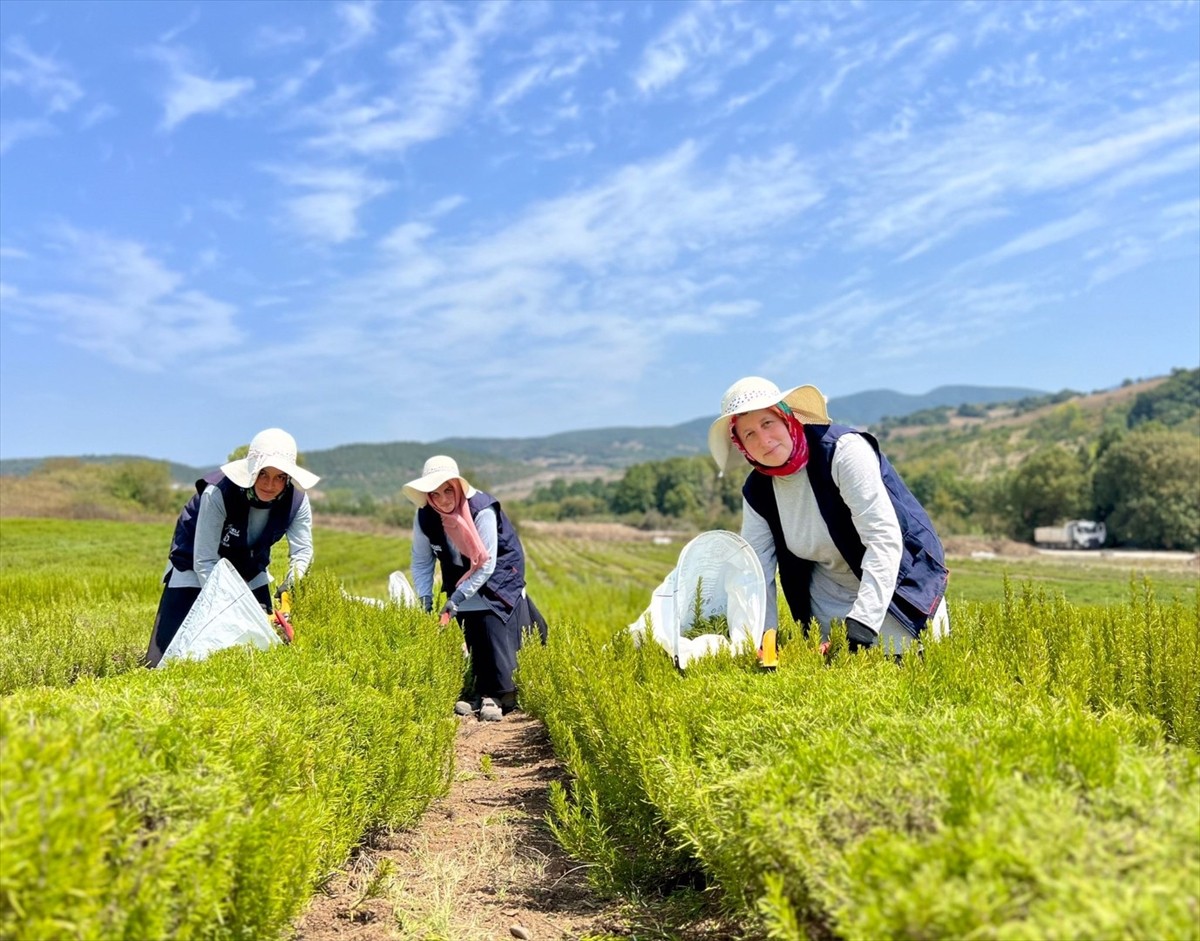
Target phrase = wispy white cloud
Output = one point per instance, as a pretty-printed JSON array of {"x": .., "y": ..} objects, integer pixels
[
  {"x": 920, "y": 322},
  {"x": 97, "y": 114},
  {"x": 703, "y": 44},
  {"x": 655, "y": 240},
  {"x": 553, "y": 60},
  {"x": 13, "y": 132},
  {"x": 359, "y": 22},
  {"x": 49, "y": 82},
  {"x": 966, "y": 171},
  {"x": 438, "y": 83},
  {"x": 1118, "y": 256},
  {"x": 188, "y": 94},
  {"x": 1052, "y": 233},
  {"x": 125, "y": 305},
  {"x": 272, "y": 37},
  {"x": 328, "y": 212}
]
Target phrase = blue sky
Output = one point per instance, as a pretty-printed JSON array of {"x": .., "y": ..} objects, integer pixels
[{"x": 404, "y": 221}]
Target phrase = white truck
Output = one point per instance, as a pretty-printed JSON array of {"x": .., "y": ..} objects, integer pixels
[{"x": 1073, "y": 534}]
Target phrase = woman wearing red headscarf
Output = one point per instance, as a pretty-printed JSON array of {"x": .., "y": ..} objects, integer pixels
[
  {"x": 825, "y": 508},
  {"x": 483, "y": 574}
]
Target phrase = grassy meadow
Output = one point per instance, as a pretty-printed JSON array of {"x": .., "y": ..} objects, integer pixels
[{"x": 1037, "y": 775}]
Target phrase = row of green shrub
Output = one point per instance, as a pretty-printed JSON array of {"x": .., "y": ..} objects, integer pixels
[
  {"x": 207, "y": 800},
  {"x": 1034, "y": 775}
]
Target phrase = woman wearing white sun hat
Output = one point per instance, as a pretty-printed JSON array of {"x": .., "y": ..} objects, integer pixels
[
  {"x": 483, "y": 573},
  {"x": 823, "y": 506},
  {"x": 237, "y": 513}
]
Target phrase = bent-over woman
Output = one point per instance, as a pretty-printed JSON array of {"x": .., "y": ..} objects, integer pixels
[
  {"x": 483, "y": 574},
  {"x": 824, "y": 507},
  {"x": 237, "y": 513}
]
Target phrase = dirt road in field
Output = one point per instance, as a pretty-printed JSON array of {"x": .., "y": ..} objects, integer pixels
[{"x": 481, "y": 865}]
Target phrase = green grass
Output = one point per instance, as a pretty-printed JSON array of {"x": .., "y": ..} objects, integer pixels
[{"x": 1079, "y": 579}]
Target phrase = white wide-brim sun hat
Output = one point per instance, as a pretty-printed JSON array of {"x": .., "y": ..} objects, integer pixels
[
  {"x": 271, "y": 448},
  {"x": 437, "y": 470},
  {"x": 746, "y": 395}
]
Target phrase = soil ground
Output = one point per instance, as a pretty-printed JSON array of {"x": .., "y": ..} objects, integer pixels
[{"x": 481, "y": 865}]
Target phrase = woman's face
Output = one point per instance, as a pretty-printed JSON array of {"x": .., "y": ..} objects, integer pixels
[
  {"x": 269, "y": 483},
  {"x": 445, "y": 497},
  {"x": 765, "y": 437}
]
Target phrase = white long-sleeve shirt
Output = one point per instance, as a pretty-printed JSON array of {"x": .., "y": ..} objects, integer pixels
[
  {"x": 835, "y": 591},
  {"x": 210, "y": 522},
  {"x": 423, "y": 561}
]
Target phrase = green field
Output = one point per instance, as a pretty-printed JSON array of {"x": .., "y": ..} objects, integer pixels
[{"x": 1035, "y": 775}]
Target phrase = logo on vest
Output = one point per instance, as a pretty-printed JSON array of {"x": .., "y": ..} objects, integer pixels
[{"x": 231, "y": 532}]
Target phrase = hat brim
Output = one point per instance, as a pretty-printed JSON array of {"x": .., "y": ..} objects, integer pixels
[
  {"x": 418, "y": 490},
  {"x": 241, "y": 473},
  {"x": 807, "y": 404}
]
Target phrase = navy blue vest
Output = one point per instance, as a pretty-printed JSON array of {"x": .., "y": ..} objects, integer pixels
[
  {"x": 921, "y": 582},
  {"x": 503, "y": 590},
  {"x": 249, "y": 561}
]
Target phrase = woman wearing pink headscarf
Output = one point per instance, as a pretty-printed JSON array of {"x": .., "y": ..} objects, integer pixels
[{"x": 483, "y": 574}]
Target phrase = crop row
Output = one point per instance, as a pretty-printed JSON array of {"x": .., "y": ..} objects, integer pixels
[
  {"x": 1034, "y": 775},
  {"x": 209, "y": 799}
]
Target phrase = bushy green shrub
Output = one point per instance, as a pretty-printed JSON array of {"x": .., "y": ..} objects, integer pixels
[
  {"x": 208, "y": 799},
  {"x": 1035, "y": 774}
]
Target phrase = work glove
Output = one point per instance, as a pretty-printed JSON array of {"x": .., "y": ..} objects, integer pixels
[
  {"x": 859, "y": 636},
  {"x": 427, "y": 603},
  {"x": 285, "y": 588},
  {"x": 449, "y": 609}
]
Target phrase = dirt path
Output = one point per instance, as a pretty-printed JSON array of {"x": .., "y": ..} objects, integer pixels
[{"x": 480, "y": 865}]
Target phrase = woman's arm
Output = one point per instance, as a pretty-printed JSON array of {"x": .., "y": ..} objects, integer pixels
[
  {"x": 858, "y": 478},
  {"x": 757, "y": 532},
  {"x": 210, "y": 521},
  {"x": 300, "y": 544},
  {"x": 422, "y": 564}
]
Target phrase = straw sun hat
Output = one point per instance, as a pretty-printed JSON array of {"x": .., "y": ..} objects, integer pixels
[
  {"x": 437, "y": 470},
  {"x": 749, "y": 394},
  {"x": 271, "y": 448}
]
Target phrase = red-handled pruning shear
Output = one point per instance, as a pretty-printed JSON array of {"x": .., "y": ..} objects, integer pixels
[
  {"x": 283, "y": 626},
  {"x": 282, "y": 619}
]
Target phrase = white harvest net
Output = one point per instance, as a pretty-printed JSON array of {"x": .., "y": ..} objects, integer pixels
[{"x": 731, "y": 583}]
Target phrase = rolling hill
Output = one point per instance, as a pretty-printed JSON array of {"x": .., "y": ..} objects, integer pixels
[{"x": 510, "y": 464}]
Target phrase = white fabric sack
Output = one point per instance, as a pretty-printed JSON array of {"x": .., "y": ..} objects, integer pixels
[
  {"x": 732, "y": 584},
  {"x": 399, "y": 592},
  {"x": 226, "y": 614}
]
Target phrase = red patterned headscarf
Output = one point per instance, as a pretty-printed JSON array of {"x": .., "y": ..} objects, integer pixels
[{"x": 799, "y": 455}]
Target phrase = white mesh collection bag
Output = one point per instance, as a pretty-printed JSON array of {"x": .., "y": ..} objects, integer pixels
[
  {"x": 731, "y": 583},
  {"x": 399, "y": 592},
  {"x": 225, "y": 614}
]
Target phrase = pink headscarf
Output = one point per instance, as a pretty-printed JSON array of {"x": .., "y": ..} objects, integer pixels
[
  {"x": 799, "y": 455},
  {"x": 461, "y": 531}
]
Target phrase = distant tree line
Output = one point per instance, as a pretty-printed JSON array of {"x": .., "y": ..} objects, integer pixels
[{"x": 655, "y": 494}]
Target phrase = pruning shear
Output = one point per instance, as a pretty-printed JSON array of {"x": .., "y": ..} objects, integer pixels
[{"x": 282, "y": 617}]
